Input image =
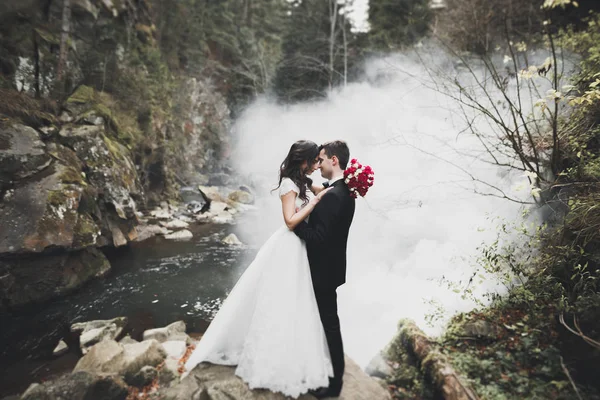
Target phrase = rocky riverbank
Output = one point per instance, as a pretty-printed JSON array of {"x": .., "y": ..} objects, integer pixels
[{"x": 117, "y": 366}]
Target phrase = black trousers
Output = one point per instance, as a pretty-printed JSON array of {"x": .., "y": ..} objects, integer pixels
[{"x": 327, "y": 303}]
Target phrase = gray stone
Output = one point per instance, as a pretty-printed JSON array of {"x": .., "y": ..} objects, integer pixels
[
  {"x": 144, "y": 377},
  {"x": 378, "y": 367},
  {"x": 223, "y": 217},
  {"x": 169, "y": 373},
  {"x": 218, "y": 206},
  {"x": 164, "y": 334},
  {"x": 181, "y": 337},
  {"x": 41, "y": 213},
  {"x": 128, "y": 340},
  {"x": 81, "y": 327},
  {"x": 110, "y": 166},
  {"x": 78, "y": 386},
  {"x": 60, "y": 349},
  {"x": 241, "y": 196},
  {"x": 175, "y": 224},
  {"x": 22, "y": 153},
  {"x": 233, "y": 240},
  {"x": 180, "y": 235},
  {"x": 218, "y": 382},
  {"x": 126, "y": 360},
  {"x": 161, "y": 214},
  {"x": 147, "y": 231},
  {"x": 43, "y": 277},
  {"x": 212, "y": 193},
  {"x": 219, "y": 179},
  {"x": 93, "y": 336},
  {"x": 175, "y": 348}
]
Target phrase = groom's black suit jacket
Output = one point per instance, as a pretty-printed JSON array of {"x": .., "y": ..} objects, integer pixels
[{"x": 326, "y": 237}]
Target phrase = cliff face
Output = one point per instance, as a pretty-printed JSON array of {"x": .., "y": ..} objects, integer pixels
[{"x": 80, "y": 158}]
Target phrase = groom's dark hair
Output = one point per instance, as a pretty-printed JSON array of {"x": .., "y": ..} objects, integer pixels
[{"x": 339, "y": 149}]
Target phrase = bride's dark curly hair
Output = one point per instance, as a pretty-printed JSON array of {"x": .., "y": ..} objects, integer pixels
[{"x": 291, "y": 167}]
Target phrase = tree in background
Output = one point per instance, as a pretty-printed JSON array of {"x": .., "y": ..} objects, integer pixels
[
  {"x": 319, "y": 50},
  {"x": 398, "y": 23}
]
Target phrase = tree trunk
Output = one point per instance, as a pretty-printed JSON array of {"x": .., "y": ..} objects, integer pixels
[
  {"x": 345, "y": 49},
  {"x": 36, "y": 65},
  {"x": 64, "y": 46},
  {"x": 333, "y": 11}
]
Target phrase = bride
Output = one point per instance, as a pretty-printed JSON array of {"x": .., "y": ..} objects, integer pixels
[{"x": 269, "y": 325}]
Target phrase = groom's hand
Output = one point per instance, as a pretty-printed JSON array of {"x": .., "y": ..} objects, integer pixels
[{"x": 321, "y": 221}]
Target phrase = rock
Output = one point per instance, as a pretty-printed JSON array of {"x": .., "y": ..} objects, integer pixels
[
  {"x": 48, "y": 131},
  {"x": 128, "y": 340},
  {"x": 96, "y": 331},
  {"x": 60, "y": 349},
  {"x": 181, "y": 337},
  {"x": 231, "y": 239},
  {"x": 241, "y": 196},
  {"x": 164, "y": 334},
  {"x": 217, "y": 207},
  {"x": 102, "y": 357},
  {"x": 175, "y": 348},
  {"x": 196, "y": 207},
  {"x": 447, "y": 381},
  {"x": 109, "y": 166},
  {"x": 147, "y": 231},
  {"x": 180, "y": 235},
  {"x": 126, "y": 360},
  {"x": 81, "y": 327},
  {"x": 41, "y": 213},
  {"x": 169, "y": 373},
  {"x": 39, "y": 278},
  {"x": 92, "y": 118},
  {"x": 219, "y": 179},
  {"x": 78, "y": 386},
  {"x": 211, "y": 193},
  {"x": 378, "y": 367},
  {"x": 216, "y": 382},
  {"x": 223, "y": 218},
  {"x": 175, "y": 224},
  {"x": 22, "y": 153},
  {"x": 161, "y": 214},
  {"x": 93, "y": 336},
  {"x": 144, "y": 377}
]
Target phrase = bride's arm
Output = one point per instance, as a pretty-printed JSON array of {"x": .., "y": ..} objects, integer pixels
[
  {"x": 288, "y": 205},
  {"x": 316, "y": 189}
]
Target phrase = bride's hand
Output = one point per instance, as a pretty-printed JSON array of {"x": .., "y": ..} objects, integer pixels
[{"x": 315, "y": 200}]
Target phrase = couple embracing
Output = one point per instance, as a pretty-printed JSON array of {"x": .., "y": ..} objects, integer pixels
[{"x": 279, "y": 324}]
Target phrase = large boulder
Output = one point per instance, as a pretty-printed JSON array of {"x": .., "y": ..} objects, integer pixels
[
  {"x": 22, "y": 153},
  {"x": 109, "y": 163},
  {"x": 93, "y": 332},
  {"x": 379, "y": 367},
  {"x": 78, "y": 386},
  {"x": 216, "y": 382},
  {"x": 37, "y": 278},
  {"x": 241, "y": 196},
  {"x": 43, "y": 211},
  {"x": 110, "y": 357},
  {"x": 166, "y": 333}
]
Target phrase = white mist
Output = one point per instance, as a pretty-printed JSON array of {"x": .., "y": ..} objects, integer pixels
[{"x": 419, "y": 224}]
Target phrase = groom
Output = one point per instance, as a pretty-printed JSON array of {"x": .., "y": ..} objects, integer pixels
[{"x": 326, "y": 237}]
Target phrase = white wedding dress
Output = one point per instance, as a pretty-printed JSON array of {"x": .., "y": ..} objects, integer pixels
[{"x": 269, "y": 325}]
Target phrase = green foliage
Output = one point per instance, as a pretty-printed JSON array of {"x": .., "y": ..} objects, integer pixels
[
  {"x": 398, "y": 23},
  {"x": 238, "y": 42}
]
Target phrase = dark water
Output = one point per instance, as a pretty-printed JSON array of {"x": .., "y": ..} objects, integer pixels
[{"x": 154, "y": 283}]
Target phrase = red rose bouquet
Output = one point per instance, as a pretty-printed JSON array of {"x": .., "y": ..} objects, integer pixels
[{"x": 359, "y": 178}]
